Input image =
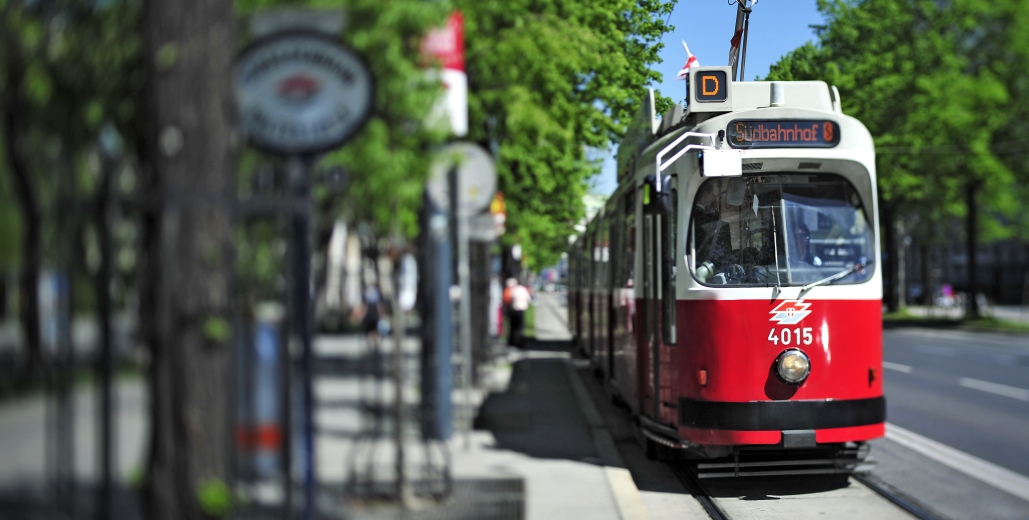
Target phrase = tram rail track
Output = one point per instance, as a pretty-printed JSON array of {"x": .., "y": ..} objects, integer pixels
[
  {"x": 715, "y": 510},
  {"x": 907, "y": 504},
  {"x": 693, "y": 484}
]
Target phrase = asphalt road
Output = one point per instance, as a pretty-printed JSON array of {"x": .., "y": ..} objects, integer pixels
[
  {"x": 950, "y": 390},
  {"x": 969, "y": 391}
]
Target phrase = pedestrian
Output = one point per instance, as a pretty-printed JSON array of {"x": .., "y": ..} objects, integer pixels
[
  {"x": 517, "y": 300},
  {"x": 370, "y": 322}
]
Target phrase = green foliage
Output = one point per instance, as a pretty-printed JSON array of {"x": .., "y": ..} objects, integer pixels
[
  {"x": 216, "y": 330},
  {"x": 912, "y": 71},
  {"x": 214, "y": 498},
  {"x": 389, "y": 158},
  {"x": 80, "y": 67},
  {"x": 167, "y": 55},
  {"x": 548, "y": 80}
]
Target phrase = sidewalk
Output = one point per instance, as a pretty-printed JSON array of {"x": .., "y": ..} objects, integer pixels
[
  {"x": 547, "y": 430},
  {"x": 539, "y": 450}
]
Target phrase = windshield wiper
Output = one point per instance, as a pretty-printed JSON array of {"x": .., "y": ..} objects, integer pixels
[{"x": 842, "y": 274}]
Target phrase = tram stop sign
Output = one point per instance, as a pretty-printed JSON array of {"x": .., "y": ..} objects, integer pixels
[
  {"x": 476, "y": 178},
  {"x": 302, "y": 92}
]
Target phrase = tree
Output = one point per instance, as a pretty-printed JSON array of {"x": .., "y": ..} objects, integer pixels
[
  {"x": 548, "y": 80},
  {"x": 14, "y": 102},
  {"x": 388, "y": 160},
  {"x": 907, "y": 69},
  {"x": 190, "y": 111},
  {"x": 66, "y": 69}
]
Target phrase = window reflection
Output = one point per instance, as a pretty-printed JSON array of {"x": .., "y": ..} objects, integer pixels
[{"x": 784, "y": 229}]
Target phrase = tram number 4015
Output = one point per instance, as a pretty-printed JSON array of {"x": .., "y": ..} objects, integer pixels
[{"x": 794, "y": 336}]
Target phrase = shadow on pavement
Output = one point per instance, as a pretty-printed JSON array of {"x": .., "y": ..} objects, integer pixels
[
  {"x": 770, "y": 488},
  {"x": 538, "y": 414}
]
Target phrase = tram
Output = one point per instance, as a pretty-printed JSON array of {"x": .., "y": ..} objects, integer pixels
[{"x": 728, "y": 292}]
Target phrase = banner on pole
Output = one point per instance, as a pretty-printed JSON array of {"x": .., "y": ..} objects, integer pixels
[{"x": 445, "y": 45}]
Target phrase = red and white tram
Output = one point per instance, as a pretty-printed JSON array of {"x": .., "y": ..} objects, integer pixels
[{"x": 729, "y": 290}]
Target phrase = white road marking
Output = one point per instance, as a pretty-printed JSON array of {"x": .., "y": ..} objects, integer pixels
[
  {"x": 992, "y": 474},
  {"x": 1007, "y": 391},
  {"x": 897, "y": 366}
]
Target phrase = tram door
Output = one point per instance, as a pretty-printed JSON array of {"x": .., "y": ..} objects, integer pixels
[
  {"x": 652, "y": 224},
  {"x": 658, "y": 281}
]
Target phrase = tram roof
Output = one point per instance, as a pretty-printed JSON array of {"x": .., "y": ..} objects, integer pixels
[{"x": 714, "y": 101}]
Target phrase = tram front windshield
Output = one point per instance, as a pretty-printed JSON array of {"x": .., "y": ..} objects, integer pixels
[{"x": 779, "y": 230}]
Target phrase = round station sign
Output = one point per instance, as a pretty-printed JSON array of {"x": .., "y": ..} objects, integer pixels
[
  {"x": 302, "y": 93},
  {"x": 476, "y": 177}
]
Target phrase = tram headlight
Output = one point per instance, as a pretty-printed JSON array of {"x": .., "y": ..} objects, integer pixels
[{"x": 793, "y": 366}]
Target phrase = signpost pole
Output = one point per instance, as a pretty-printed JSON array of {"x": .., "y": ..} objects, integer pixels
[
  {"x": 466, "y": 316},
  {"x": 271, "y": 92},
  {"x": 398, "y": 385},
  {"x": 299, "y": 177}
]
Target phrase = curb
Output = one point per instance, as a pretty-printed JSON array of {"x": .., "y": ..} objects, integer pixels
[{"x": 623, "y": 487}]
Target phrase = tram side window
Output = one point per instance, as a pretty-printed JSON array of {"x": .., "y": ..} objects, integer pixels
[
  {"x": 625, "y": 278},
  {"x": 628, "y": 262},
  {"x": 778, "y": 230}
]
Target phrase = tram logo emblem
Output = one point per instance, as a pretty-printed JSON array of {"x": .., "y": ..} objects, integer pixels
[{"x": 790, "y": 312}]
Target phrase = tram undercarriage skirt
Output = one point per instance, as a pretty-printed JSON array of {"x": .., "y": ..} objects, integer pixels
[
  {"x": 781, "y": 415},
  {"x": 750, "y": 462}
]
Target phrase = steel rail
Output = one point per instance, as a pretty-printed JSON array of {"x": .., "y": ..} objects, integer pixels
[
  {"x": 907, "y": 504},
  {"x": 692, "y": 483},
  {"x": 716, "y": 512}
]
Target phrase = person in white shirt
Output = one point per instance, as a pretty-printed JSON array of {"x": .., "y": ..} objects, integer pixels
[{"x": 517, "y": 300}]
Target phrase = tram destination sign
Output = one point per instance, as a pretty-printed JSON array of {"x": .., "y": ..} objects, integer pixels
[
  {"x": 763, "y": 133},
  {"x": 301, "y": 92}
]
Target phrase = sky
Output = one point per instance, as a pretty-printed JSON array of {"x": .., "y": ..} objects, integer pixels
[{"x": 776, "y": 28}]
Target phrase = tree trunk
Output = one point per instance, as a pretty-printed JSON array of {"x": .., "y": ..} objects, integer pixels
[
  {"x": 901, "y": 287},
  {"x": 972, "y": 239},
  {"x": 927, "y": 274},
  {"x": 189, "y": 153},
  {"x": 31, "y": 217},
  {"x": 890, "y": 274}
]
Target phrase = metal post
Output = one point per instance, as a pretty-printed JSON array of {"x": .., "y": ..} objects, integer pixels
[
  {"x": 398, "y": 395},
  {"x": 746, "y": 32},
  {"x": 299, "y": 177},
  {"x": 466, "y": 315},
  {"x": 106, "y": 362},
  {"x": 286, "y": 416},
  {"x": 437, "y": 381},
  {"x": 739, "y": 25}
]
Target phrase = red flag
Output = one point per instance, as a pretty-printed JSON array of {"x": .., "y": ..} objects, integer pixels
[
  {"x": 735, "y": 41},
  {"x": 734, "y": 51},
  {"x": 691, "y": 61}
]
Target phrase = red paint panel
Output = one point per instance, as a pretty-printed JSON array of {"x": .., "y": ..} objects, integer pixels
[
  {"x": 730, "y": 339},
  {"x": 729, "y": 437},
  {"x": 735, "y": 437},
  {"x": 854, "y": 433}
]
